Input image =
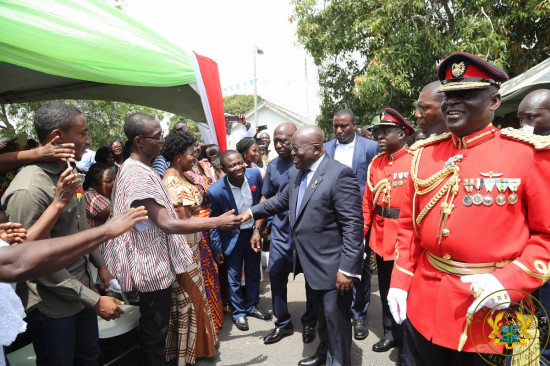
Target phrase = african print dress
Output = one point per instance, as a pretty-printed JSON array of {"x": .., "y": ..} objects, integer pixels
[
  {"x": 191, "y": 332},
  {"x": 210, "y": 269}
]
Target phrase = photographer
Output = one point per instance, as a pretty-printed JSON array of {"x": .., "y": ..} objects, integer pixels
[{"x": 234, "y": 137}]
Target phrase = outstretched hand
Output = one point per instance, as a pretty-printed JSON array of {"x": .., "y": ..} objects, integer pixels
[
  {"x": 54, "y": 151},
  {"x": 228, "y": 221},
  {"x": 124, "y": 221},
  {"x": 12, "y": 232},
  {"x": 245, "y": 216}
]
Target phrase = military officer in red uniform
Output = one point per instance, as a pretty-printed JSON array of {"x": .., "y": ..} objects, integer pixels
[
  {"x": 474, "y": 223},
  {"x": 386, "y": 178}
]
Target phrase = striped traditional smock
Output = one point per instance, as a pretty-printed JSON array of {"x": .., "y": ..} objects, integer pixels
[{"x": 148, "y": 260}]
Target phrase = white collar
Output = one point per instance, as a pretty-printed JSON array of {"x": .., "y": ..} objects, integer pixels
[
  {"x": 232, "y": 186},
  {"x": 315, "y": 165},
  {"x": 348, "y": 145}
]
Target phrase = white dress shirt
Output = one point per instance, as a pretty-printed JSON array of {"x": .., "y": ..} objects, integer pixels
[
  {"x": 243, "y": 200},
  {"x": 344, "y": 152}
]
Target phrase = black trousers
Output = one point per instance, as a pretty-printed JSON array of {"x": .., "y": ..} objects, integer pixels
[
  {"x": 333, "y": 316},
  {"x": 418, "y": 351},
  {"x": 153, "y": 326},
  {"x": 392, "y": 330}
]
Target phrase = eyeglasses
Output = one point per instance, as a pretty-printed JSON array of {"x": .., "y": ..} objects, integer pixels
[
  {"x": 157, "y": 137},
  {"x": 300, "y": 148}
]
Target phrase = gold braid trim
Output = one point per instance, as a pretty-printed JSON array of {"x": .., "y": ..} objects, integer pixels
[
  {"x": 381, "y": 187},
  {"x": 430, "y": 141},
  {"x": 424, "y": 186},
  {"x": 541, "y": 268},
  {"x": 402, "y": 269},
  {"x": 538, "y": 142}
]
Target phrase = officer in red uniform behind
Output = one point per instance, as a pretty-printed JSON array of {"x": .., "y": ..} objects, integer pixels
[
  {"x": 475, "y": 223},
  {"x": 384, "y": 193}
]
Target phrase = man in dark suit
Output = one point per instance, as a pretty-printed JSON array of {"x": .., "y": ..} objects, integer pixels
[
  {"x": 282, "y": 245},
  {"x": 324, "y": 206},
  {"x": 356, "y": 152},
  {"x": 238, "y": 190}
]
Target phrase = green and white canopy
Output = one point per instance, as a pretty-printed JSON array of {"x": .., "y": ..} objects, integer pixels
[{"x": 86, "y": 49}]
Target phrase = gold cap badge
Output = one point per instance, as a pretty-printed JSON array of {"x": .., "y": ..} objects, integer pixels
[{"x": 457, "y": 70}]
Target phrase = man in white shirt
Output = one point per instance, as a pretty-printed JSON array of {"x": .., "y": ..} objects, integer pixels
[
  {"x": 356, "y": 152},
  {"x": 238, "y": 190},
  {"x": 235, "y": 136}
]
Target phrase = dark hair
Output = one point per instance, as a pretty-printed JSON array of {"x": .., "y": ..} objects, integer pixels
[
  {"x": 213, "y": 154},
  {"x": 345, "y": 112},
  {"x": 176, "y": 143},
  {"x": 134, "y": 126},
  {"x": 94, "y": 174},
  {"x": 52, "y": 116},
  {"x": 116, "y": 140},
  {"x": 245, "y": 144},
  {"x": 102, "y": 153},
  {"x": 225, "y": 154}
]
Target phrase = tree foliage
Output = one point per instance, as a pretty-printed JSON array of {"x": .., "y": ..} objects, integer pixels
[
  {"x": 373, "y": 54},
  {"x": 105, "y": 118},
  {"x": 239, "y": 104}
]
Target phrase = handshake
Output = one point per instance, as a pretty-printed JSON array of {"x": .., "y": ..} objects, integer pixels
[{"x": 228, "y": 221}]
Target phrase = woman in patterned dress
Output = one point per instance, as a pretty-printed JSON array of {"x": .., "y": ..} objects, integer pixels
[
  {"x": 191, "y": 331},
  {"x": 98, "y": 186},
  {"x": 202, "y": 176}
]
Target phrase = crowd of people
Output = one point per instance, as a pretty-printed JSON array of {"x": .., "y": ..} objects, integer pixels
[{"x": 451, "y": 216}]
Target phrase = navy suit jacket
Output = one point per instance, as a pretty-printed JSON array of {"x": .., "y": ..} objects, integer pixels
[
  {"x": 221, "y": 201},
  {"x": 328, "y": 227},
  {"x": 363, "y": 152}
]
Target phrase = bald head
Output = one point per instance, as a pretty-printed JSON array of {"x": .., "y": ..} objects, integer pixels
[
  {"x": 308, "y": 146},
  {"x": 282, "y": 137},
  {"x": 428, "y": 112},
  {"x": 310, "y": 134},
  {"x": 534, "y": 111}
]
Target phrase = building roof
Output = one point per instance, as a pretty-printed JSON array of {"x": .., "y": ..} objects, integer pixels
[{"x": 295, "y": 118}]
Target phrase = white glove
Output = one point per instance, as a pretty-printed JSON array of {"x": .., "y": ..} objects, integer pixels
[
  {"x": 397, "y": 301},
  {"x": 487, "y": 291}
]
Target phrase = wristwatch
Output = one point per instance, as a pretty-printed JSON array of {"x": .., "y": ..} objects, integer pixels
[{"x": 254, "y": 227}]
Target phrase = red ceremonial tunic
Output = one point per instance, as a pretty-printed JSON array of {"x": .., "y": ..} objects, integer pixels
[
  {"x": 438, "y": 301},
  {"x": 388, "y": 174}
]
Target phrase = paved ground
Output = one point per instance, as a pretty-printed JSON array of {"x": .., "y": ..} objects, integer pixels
[{"x": 237, "y": 348}]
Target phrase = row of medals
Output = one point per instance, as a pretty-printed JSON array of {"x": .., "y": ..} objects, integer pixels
[
  {"x": 502, "y": 185},
  {"x": 401, "y": 176}
]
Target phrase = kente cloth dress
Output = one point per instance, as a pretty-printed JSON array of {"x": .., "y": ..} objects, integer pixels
[{"x": 191, "y": 331}]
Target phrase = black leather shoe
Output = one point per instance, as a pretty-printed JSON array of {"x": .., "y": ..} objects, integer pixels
[
  {"x": 241, "y": 323},
  {"x": 308, "y": 334},
  {"x": 277, "y": 334},
  {"x": 360, "y": 330},
  {"x": 260, "y": 315},
  {"x": 312, "y": 361},
  {"x": 383, "y": 346}
]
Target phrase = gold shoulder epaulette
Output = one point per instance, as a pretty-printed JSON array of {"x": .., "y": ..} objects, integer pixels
[
  {"x": 538, "y": 142},
  {"x": 430, "y": 141},
  {"x": 377, "y": 156}
]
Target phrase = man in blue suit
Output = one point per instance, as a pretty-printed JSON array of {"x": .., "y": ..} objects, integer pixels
[
  {"x": 238, "y": 190},
  {"x": 324, "y": 204},
  {"x": 356, "y": 152}
]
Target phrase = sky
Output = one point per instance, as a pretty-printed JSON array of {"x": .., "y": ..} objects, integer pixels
[{"x": 228, "y": 31}]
